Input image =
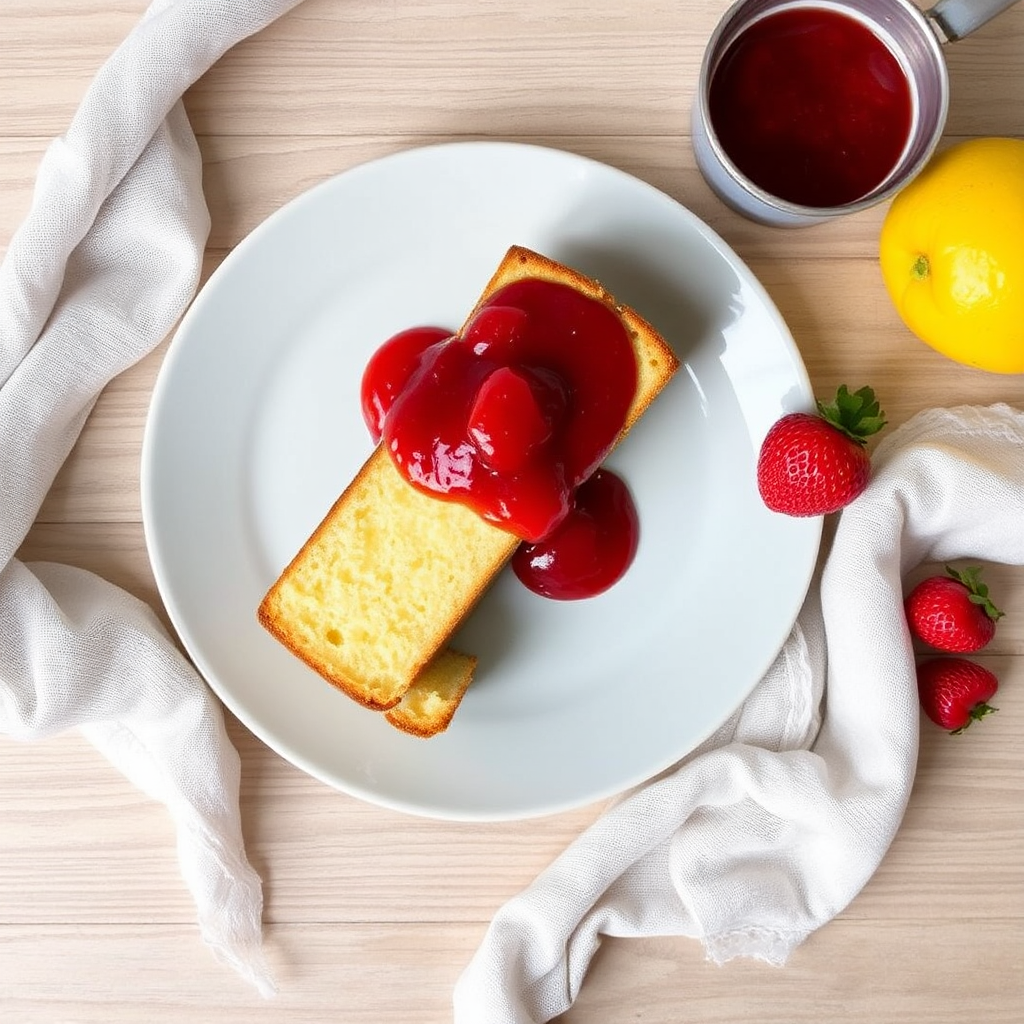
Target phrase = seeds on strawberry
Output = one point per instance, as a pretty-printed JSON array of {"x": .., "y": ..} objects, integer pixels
[
  {"x": 952, "y": 612},
  {"x": 955, "y": 692},
  {"x": 812, "y": 465}
]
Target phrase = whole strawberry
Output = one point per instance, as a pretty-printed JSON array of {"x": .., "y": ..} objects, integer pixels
[
  {"x": 952, "y": 612},
  {"x": 810, "y": 465},
  {"x": 955, "y": 692}
]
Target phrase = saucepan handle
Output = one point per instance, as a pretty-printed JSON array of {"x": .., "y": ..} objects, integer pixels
[{"x": 958, "y": 18}]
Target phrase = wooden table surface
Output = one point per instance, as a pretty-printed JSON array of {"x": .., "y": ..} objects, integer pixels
[{"x": 371, "y": 915}]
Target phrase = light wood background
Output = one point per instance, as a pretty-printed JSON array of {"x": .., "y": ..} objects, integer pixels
[{"x": 370, "y": 915}]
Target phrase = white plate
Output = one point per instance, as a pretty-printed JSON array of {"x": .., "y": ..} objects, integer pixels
[{"x": 255, "y": 428}]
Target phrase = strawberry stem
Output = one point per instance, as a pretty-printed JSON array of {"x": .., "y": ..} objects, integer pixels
[
  {"x": 856, "y": 414},
  {"x": 977, "y": 713}
]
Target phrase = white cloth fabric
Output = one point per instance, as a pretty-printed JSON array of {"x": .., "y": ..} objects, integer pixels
[
  {"x": 774, "y": 825},
  {"x": 107, "y": 259}
]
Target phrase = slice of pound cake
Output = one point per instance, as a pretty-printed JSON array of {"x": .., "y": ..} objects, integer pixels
[{"x": 372, "y": 597}]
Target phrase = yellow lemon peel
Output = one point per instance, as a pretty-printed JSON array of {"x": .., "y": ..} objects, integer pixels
[{"x": 951, "y": 251}]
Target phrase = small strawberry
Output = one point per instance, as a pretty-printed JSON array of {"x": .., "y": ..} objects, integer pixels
[
  {"x": 811, "y": 465},
  {"x": 513, "y": 413},
  {"x": 955, "y": 692},
  {"x": 952, "y": 612}
]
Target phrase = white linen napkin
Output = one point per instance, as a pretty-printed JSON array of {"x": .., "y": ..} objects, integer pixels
[
  {"x": 107, "y": 259},
  {"x": 770, "y": 829}
]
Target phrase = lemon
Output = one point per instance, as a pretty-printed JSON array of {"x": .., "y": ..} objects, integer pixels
[{"x": 952, "y": 254}]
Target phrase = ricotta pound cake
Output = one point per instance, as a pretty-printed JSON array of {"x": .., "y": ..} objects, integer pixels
[{"x": 547, "y": 374}]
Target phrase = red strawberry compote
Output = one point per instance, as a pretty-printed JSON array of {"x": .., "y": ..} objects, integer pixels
[
  {"x": 590, "y": 549},
  {"x": 511, "y": 417}
]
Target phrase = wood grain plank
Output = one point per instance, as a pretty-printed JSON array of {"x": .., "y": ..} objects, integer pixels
[
  {"x": 49, "y": 54},
  {"x": 960, "y": 970},
  {"x": 360, "y": 973},
  {"x": 511, "y": 64},
  {"x": 611, "y": 67}
]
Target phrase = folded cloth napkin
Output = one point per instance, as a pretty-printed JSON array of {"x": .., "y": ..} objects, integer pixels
[
  {"x": 771, "y": 827},
  {"x": 107, "y": 259}
]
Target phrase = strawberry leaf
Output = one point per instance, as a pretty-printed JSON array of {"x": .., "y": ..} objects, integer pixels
[
  {"x": 977, "y": 591},
  {"x": 856, "y": 413}
]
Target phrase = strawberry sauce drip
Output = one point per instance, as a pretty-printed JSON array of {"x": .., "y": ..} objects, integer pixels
[
  {"x": 510, "y": 418},
  {"x": 592, "y": 547}
]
